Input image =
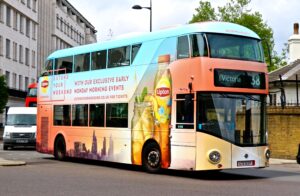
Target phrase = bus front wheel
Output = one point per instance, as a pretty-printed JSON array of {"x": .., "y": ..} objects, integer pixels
[
  {"x": 60, "y": 148},
  {"x": 151, "y": 158}
]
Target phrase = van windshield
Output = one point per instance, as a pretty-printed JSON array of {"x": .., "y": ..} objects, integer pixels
[{"x": 21, "y": 119}]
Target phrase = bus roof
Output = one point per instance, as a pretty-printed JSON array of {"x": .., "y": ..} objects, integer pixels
[
  {"x": 206, "y": 27},
  {"x": 32, "y": 85}
]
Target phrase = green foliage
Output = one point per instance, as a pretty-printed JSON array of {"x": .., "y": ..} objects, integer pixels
[
  {"x": 236, "y": 11},
  {"x": 3, "y": 94}
]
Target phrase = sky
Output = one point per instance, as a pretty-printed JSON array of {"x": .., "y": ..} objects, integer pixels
[{"x": 113, "y": 18}]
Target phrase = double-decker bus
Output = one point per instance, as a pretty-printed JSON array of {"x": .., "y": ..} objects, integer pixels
[
  {"x": 31, "y": 97},
  {"x": 190, "y": 98}
]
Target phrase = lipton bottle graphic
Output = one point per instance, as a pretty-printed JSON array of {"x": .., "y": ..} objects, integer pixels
[{"x": 162, "y": 113}]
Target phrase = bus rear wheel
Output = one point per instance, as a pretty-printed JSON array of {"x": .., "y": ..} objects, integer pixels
[
  {"x": 151, "y": 158},
  {"x": 60, "y": 148}
]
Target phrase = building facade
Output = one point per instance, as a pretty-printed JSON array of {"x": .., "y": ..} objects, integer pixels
[
  {"x": 287, "y": 90},
  {"x": 18, "y": 46},
  {"x": 61, "y": 26},
  {"x": 30, "y": 30}
]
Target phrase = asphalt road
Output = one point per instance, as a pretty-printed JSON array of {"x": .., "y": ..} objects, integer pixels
[{"x": 45, "y": 176}]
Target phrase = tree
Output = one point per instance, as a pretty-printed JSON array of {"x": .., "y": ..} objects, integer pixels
[
  {"x": 236, "y": 11},
  {"x": 3, "y": 94}
]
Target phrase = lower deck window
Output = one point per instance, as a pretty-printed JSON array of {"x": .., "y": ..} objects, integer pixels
[
  {"x": 117, "y": 115},
  {"x": 62, "y": 115}
]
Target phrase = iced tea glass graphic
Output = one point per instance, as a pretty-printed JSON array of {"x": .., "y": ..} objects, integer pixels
[{"x": 142, "y": 129}]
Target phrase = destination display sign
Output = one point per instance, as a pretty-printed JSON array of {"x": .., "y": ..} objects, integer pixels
[{"x": 239, "y": 79}]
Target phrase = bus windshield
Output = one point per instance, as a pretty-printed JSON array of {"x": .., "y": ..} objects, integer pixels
[
  {"x": 32, "y": 92},
  {"x": 235, "y": 47},
  {"x": 21, "y": 119},
  {"x": 239, "y": 119}
]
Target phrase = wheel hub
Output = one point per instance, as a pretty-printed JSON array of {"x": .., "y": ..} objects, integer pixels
[{"x": 153, "y": 158}]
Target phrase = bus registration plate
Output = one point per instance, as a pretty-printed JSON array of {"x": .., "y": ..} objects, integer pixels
[{"x": 245, "y": 163}]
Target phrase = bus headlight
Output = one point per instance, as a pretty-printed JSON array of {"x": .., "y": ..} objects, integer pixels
[
  {"x": 268, "y": 154},
  {"x": 214, "y": 156}
]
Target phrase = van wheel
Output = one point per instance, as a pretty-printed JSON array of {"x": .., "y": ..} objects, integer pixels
[
  {"x": 5, "y": 147},
  {"x": 151, "y": 158},
  {"x": 60, "y": 148}
]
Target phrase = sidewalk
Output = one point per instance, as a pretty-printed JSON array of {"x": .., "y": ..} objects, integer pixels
[
  {"x": 282, "y": 161},
  {"x": 4, "y": 162}
]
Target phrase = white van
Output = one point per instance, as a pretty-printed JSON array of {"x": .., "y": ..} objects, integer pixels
[{"x": 20, "y": 127}]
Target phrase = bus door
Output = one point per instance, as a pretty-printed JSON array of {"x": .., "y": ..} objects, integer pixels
[
  {"x": 43, "y": 127},
  {"x": 183, "y": 143}
]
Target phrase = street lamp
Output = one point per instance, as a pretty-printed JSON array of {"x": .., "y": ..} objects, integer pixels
[{"x": 138, "y": 7}]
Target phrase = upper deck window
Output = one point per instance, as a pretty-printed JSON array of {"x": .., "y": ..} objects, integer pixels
[
  {"x": 99, "y": 60},
  {"x": 118, "y": 57},
  {"x": 183, "y": 47},
  {"x": 235, "y": 47},
  {"x": 199, "y": 45},
  {"x": 82, "y": 62},
  {"x": 64, "y": 65},
  {"x": 134, "y": 50},
  {"x": 47, "y": 70}
]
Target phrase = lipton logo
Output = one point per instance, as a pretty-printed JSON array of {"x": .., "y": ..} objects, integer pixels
[
  {"x": 163, "y": 92},
  {"x": 44, "y": 83}
]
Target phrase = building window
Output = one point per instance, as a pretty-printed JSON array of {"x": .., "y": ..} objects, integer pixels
[
  {"x": 26, "y": 82},
  {"x": 57, "y": 21},
  {"x": 20, "y": 54},
  {"x": 27, "y": 27},
  {"x": 1, "y": 45},
  {"x": 61, "y": 24},
  {"x": 15, "y": 48},
  {"x": 27, "y": 56},
  {"x": 1, "y": 12},
  {"x": 20, "y": 82},
  {"x": 7, "y": 78},
  {"x": 29, "y": 4},
  {"x": 33, "y": 31},
  {"x": 33, "y": 59},
  {"x": 14, "y": 84},
  {"x": 21, "y": 24},
  {"x": 34, "y": 5},
  {"x": 8, "y": 48},
  {"x": 15, "y": 20},
  {"x": 8, "y": 14}
]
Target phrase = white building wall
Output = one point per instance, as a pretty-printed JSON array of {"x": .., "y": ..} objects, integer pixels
[
  {"x": 18, "y": 34},
  {"x": 15, "y": 62}
]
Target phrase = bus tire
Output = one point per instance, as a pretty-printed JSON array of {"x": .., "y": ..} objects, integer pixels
[
  {"x": 60, "y": 148},
  {"x": 151, "y": 157}
]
